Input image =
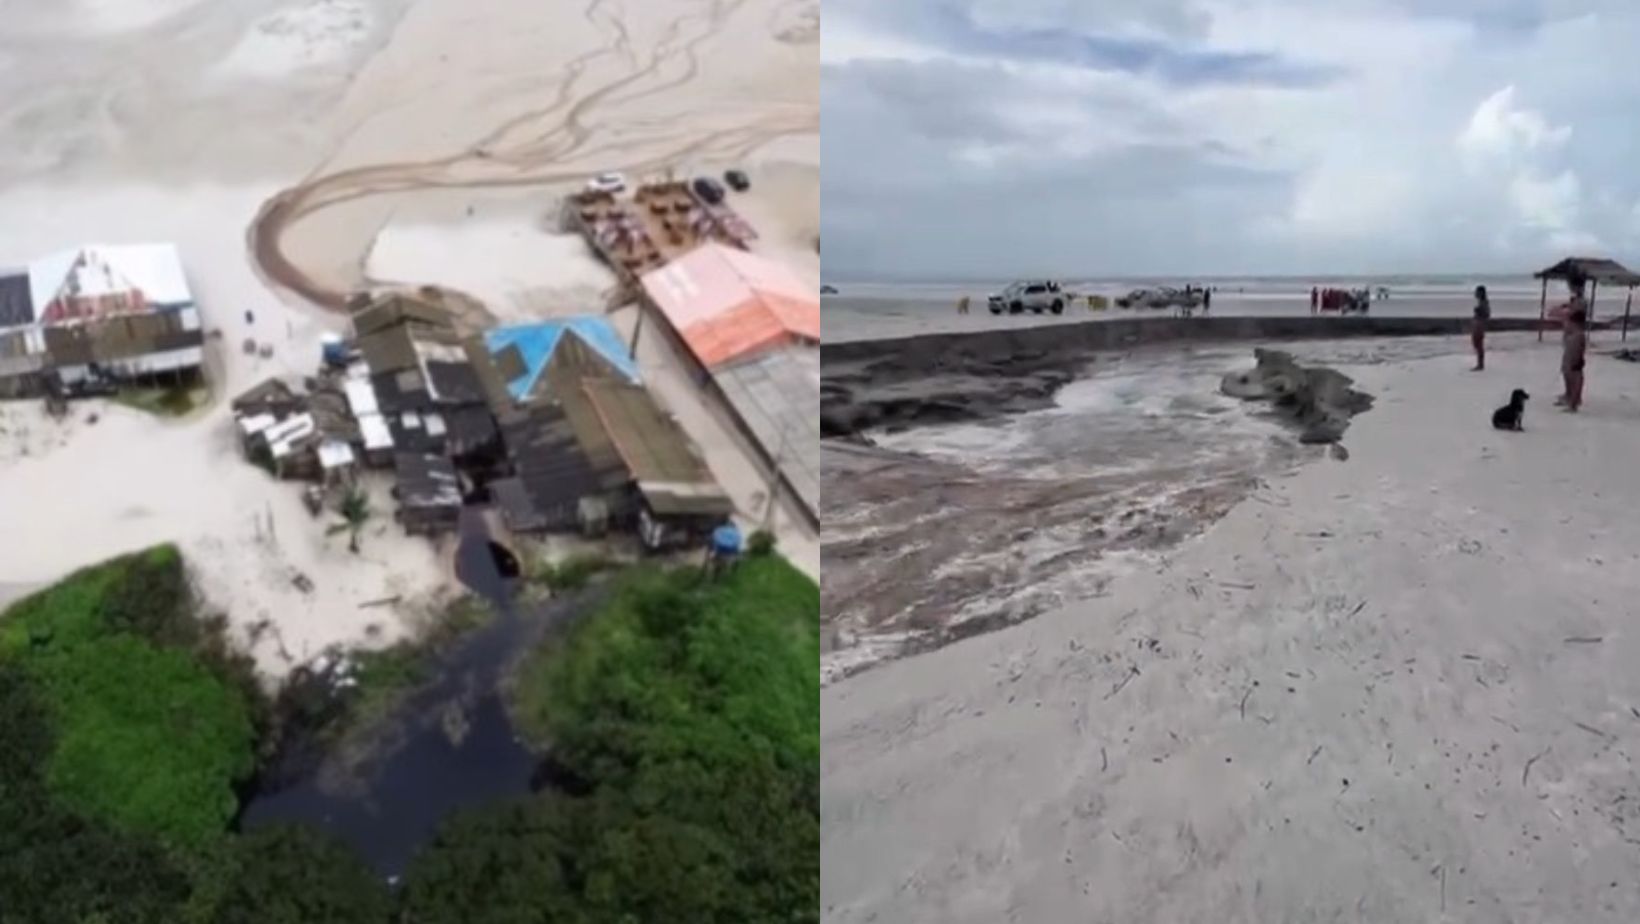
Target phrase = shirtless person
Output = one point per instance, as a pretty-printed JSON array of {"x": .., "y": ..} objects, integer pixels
[
  {"x": 1574, "y": 346},
  {"x": 1477, "y": 330}
]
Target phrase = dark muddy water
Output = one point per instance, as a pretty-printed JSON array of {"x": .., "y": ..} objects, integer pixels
[{"x": 450, "y": 745}]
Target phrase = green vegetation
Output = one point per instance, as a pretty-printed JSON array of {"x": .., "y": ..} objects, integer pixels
[
  {"x": 355, "y": 511},
  {"x": 146, "y": 735},
  {"x": 687, "y": 713},
  {"x": 683, "y": 718},
  {"x": 573, "y": 573},
  {"x": 124, "y": 722},
  {"x": 291, "y": 874},
  {"x": 760, "y": 544},
  {"x": 163, "y": 402}
]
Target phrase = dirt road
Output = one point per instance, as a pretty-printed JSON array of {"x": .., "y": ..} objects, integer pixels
[{"x": 584, "y": 126}]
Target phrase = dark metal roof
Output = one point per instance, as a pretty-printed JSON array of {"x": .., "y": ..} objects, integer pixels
[
  {"x": 469, "y": 428},
  {"x": 272, "y": 396},
  {"x": 551, "y": 463},
  {"x": 396, "y": 310},
  {"x": 400, "y": 391},
  {"x": 518, "y": 510},
  {"x": 1594, "y": 269},
  {"x": 16, "y": 304},
  {"x": 427, "y": 481},
  {"x": 389, "y": 350},
  {"x": 660, "y": 457},
  {"x": 455, "y": 382}
]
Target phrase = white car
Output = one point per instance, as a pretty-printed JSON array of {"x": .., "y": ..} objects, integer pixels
[
  {"x": 1035, "y": 297},
  {"x": 611, "y": 183}
]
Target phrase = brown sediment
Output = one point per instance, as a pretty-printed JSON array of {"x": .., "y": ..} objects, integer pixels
[{"x": 531, "y": 149}]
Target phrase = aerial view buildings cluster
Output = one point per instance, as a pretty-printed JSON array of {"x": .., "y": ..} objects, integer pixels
[{"x": 550, "y": 423}]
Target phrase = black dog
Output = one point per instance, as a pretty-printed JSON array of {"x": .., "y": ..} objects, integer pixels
[{"x": 1508, "y": 417}]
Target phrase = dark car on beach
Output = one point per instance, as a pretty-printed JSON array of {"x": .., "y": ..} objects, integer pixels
[{"x": 737, "y": 180}]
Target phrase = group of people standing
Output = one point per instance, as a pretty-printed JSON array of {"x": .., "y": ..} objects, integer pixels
[
  {"x": 1574, "y": 340},
  {"x": 1329, "y": 299}
]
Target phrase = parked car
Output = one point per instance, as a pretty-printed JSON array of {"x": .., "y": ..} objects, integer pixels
[
  {"x": 1035, "y": 297},
  {"x": 709, "y": 190},
  {"x": 737, "y": 180},
  {"x": 1164, "y": 297},
  {"x": 607, "y": 183}
]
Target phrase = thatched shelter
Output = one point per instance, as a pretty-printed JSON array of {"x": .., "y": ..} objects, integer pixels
[{"x": 1593, "y": 270}]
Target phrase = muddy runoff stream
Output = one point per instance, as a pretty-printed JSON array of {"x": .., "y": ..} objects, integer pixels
[
  {"x": 935, "y": 532},
  {"x": 449, "y": 745}
]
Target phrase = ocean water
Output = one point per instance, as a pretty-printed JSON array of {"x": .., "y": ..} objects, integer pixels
[
  {"x": 871, "y": 310},
  {"x": 1227, "y": 287}
]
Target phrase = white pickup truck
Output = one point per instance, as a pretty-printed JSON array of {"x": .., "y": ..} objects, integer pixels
[{"x": 1035, "y": 296}]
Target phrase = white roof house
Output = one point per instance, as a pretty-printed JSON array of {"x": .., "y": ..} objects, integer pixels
[{"x": 107, "y": 270}]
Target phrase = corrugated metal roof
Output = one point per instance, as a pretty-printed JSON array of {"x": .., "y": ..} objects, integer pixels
[
  {"x": 777, "y": 397},
  {"x": 271, "y": 394},
  {"x": 427, "y": 481},
  {"x": 650, "y": 443},
  {"x": 535, "y": 346},
  {"x": 389, "y": 350},
  {"x": 727, "y": 304},
  {"x": 396, "y": 309},
  {"x": 553, "y": 463}
]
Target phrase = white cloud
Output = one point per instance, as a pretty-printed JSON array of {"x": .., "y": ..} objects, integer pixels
[
  {"x": 1458, "y": 135},
  {"x": 1500, "y": 130}
]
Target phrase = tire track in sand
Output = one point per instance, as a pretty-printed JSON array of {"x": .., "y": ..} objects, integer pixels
[{"x": 535, "y": 148}]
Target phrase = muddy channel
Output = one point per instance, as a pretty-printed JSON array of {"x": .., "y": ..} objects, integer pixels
[{"x": 1007, "y": 499}]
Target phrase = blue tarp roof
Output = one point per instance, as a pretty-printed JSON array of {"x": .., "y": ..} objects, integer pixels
[{"x": 537, "y": 342}]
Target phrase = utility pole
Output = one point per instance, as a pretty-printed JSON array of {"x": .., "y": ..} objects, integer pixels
[{"x": 637, "y": 328}]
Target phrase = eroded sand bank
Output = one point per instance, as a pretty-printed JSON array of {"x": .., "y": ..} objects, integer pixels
[{"x": 1394, "y": 688}]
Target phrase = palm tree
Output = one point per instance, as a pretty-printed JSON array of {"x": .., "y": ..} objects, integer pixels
[{"x": 355, "y": 511}]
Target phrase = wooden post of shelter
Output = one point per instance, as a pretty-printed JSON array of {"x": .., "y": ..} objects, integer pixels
[
  {"x": 1543, "y": 306},
  {"x": 1628, "y": 303},
  {"x": 1588, "y": 320}
]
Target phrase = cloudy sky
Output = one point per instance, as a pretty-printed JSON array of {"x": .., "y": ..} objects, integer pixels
[{"x": 985, "y": 138}]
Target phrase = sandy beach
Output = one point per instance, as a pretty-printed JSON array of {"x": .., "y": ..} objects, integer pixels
[
  {"x": 1391, "y": 688},
  {"x": 413, "y": 141}
]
